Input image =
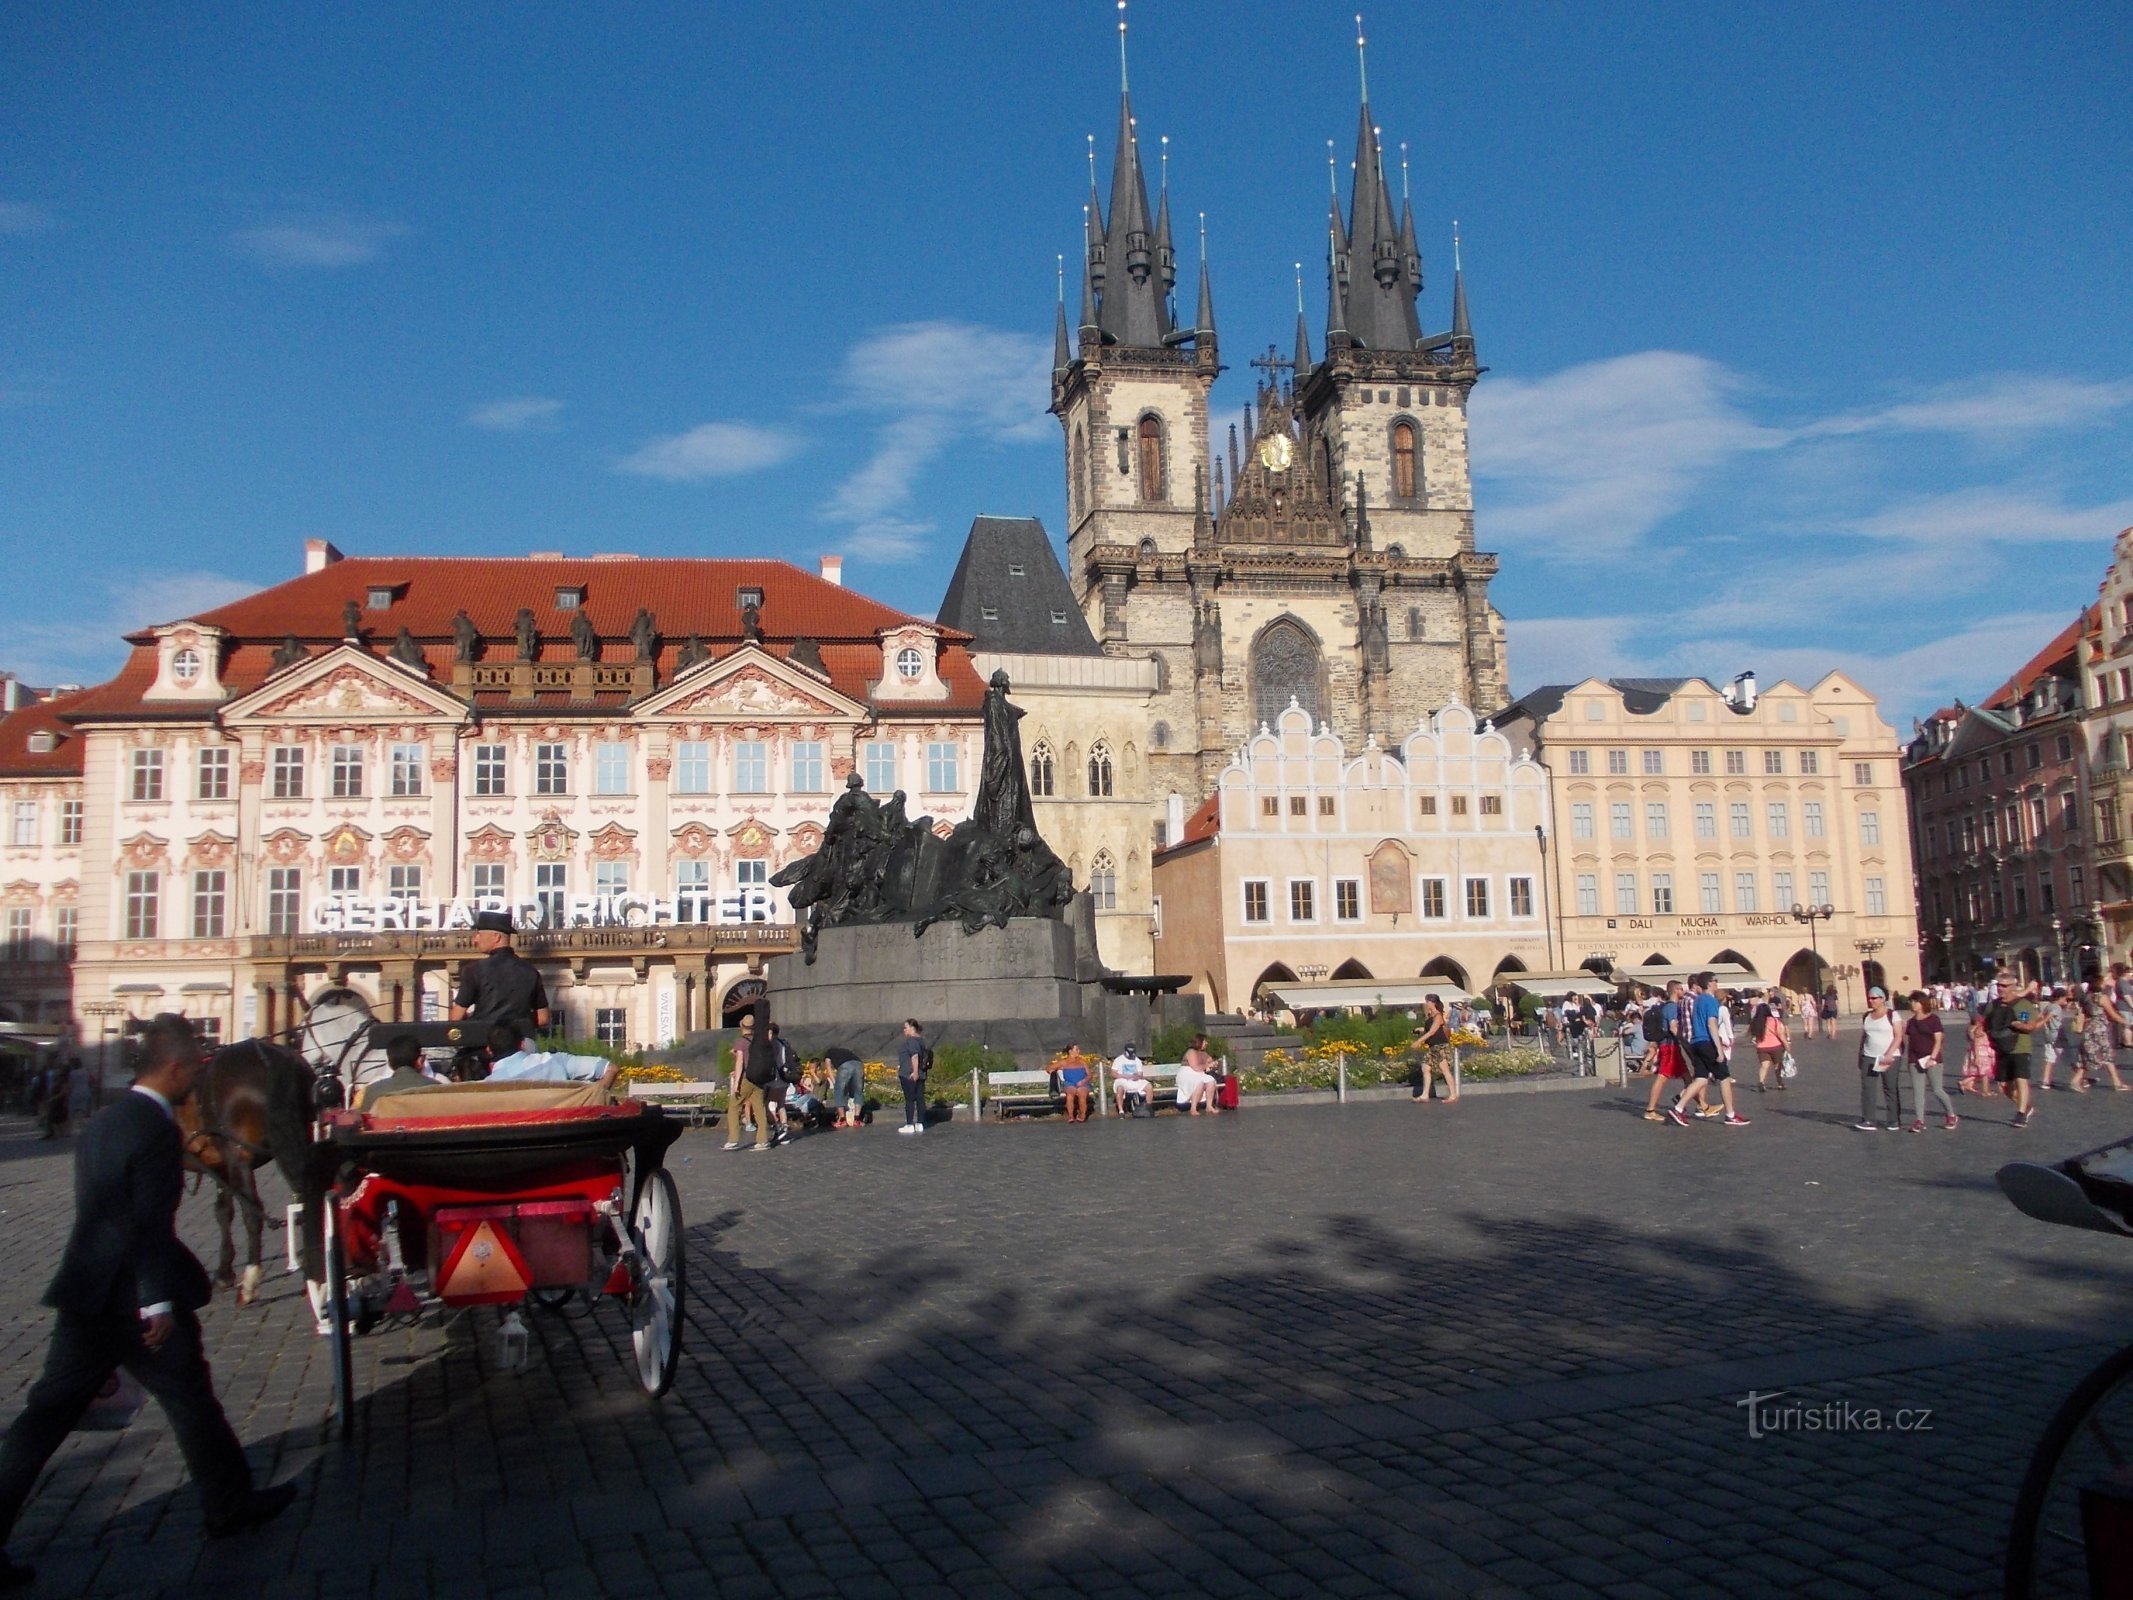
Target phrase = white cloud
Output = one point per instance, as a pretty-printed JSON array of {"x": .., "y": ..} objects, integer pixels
[
  {"x": 19, "y": 218},
  {"x": 1970, "y": 519},
  {"x": 888, "y": 539},
  {"x": 2008, "y": 403},
  {"x": 936, "y": 384},
  {"x": 1595, "y": 457},
  {"x": 325, "y": 240},
  {"x": 524, "y": 414},
  {"x": 710, "y": 450},
  {"x": 83, "y": 643}
]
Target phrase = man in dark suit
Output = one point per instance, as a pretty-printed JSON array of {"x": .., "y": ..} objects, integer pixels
[{"x": 127, "y": 1292}]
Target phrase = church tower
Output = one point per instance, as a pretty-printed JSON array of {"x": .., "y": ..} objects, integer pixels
[
  {"x": 1131, "y": 392},
  {"x": 1385, "y": 413}
]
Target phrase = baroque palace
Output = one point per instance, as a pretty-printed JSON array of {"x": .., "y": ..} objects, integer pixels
[{"x": 319, "y": 784}]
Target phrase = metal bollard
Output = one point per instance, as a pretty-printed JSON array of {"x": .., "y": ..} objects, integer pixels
[
  {"x": 1340, "y": 1088},
  {"x": 295, "y": 1225},
  {"x": 976, "y": 1109}
]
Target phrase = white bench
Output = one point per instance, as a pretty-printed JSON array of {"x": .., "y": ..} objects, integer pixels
[
  {"x": 1160, "y": 1076},
  {"x": 696, "y": 1100},
  {"x": 1019, "y": 1091}
]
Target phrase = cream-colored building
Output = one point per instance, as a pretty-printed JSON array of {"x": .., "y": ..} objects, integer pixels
[
  {"x": 1687, "y": 826},
  {"x": 40, "y": 863},
  {"x": 1312, "y": 860}
]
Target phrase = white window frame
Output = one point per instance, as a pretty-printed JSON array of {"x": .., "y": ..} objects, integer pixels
[
  {"x": 1777, "y": 819},
  {"x": 66, "y": 931},
  {"x": 23, "y": 828},
  {"x": 489, "y": 881},
  {"x": 1656, "y": 822},
  {"x": 881, "y": 765},
  {"x": 403, "y": 881},
  {"x": 1265, "y": 898},
  {"x": 1812, "y": 823},
  {"x": 143, "y": 915},
  {"x": 692, "y": 766},
  {"x": 210, "y": 903},
  {"x": 287, "y": 770},
  {"x": 1621, "y": 820},
  {"x": 551, "y": 769},
  {"x": 1588, "y": 892},
  {"x": 211, "y": 773},
  {"x": 345, "y": 772},
  {"x": 1467, "y": 908},
  {"x": 809, "y": 769},
  {"x": 751, "y": 766},
  {"x": 1870, "y": 828},
  {"x": 1746, "y": 900},
  {"x": 1625, "y": 894},
  {"x": 1707, "y": 819},
  {"x": 492, "y": 770},
  {"x": 1662, "y": 894},
  {"x": 145, "y": 786},
  {"x": 611, "y": 878},
  {"x": 1303, "y": 900},
  {"x": 344, "y": 881},
  {"x": 409, "y": 779},
  {"x": 1710, "y": 894},
  {"x": 1581, "y": 819},
  {"x": 692, "y": 890},
  {"x": 285, "y": 901},
  {"x": 1520, "y": 900},
  {"x": 551, "y": 891},
  {"x": 1435, "y": 901},
  {"x": 1877, "y": 897},
  {"x": 944, "y": 767},
  {"x": 72, "y": 814},
  {"x": 611, "y": 767}
]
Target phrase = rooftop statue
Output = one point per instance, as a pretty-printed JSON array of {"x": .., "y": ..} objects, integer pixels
[{"x": 877, "y": 866}]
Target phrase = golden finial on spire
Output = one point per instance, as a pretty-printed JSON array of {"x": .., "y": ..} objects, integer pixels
[
  {"x": 1362, "y": 67},
  {"x": 1062, "y": 274},
  {"x": 1092, "y": 163},
  {"x": 1166, "y": 161},
  {"x": 1121, "y": 46},
  {"x": 1403, "y": 169},
  {"x": 1333, "y": 181},
  {"x": 1299, "y": 288},
  {"x": 1455, "y": 247}
]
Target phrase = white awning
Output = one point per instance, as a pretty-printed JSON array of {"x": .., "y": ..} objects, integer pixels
[
  {"x": 1554, "y": 985},
  {"x": 1725, "y": 971},
  {"x": 1365, "y": 992}
]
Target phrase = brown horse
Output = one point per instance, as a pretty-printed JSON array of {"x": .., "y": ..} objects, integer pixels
[{"x": 253, "y": 1107}]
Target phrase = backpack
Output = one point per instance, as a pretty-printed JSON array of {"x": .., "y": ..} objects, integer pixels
[
  {"x": 1655, "y": 1024},
  {"x": 925, "y": 1059}
]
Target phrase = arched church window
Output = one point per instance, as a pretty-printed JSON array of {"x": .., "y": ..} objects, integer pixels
[
  {"x": 1159, "y": 736},
  {"x": 1325, "y": 472},
  {"x": 1042, "y": 781},
  {"x": 1078, "y": 478},
  {"x": 1151, "y": 458},
  {"x": 1403, "y": 460},
  {"x": 1285, "y": 666},
  {"x": 1414, "y": 622},
  {"x": 1103, "y": 882},
  {"x": 1100, "y": 771}
]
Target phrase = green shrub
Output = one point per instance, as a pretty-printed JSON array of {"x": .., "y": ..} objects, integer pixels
[{"x": 1170, "y": 1044}]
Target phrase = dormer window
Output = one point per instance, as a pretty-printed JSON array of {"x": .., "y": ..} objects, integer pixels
[
  {"x": 378, "y": 597},
  {"x": 568, "y": 597},
  {"x": 1014, "y": 569},
  {"x": 43, "y": 742},
  {"x": 910, "y": 665},
  {"x": 751, "y": 596},
  {"x": 185, "y": 665},
  {"x": 1059, "y": 617},
  {"x": 989, "y": 613}
]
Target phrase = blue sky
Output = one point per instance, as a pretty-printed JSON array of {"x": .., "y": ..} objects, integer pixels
[{"x": 1807, "y": 324}]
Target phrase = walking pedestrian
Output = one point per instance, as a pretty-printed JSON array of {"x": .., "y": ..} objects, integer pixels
[
  {"x": 1879, "y": 1051},
  {"x": 2010, "y": 1022},
  {"x": 127, "y": 1295},
  {"x": 2100, "y": 1022},
  {"x": 1709, "y": 1041},
  {"x": 1828, "y": 1011},
  {"x": 1772, "y": 1040},
  {"x": 914, "y": 1059},
  {"x": 1980, "y": 1065},
  {"x": 1662, "y": 1029},
  {"x": 1923, "y": 1045},
  {"x": 755, "y": 1066}
]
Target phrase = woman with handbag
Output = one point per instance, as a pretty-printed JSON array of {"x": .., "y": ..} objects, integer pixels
[
  {"x": 1772, "y": 1041},
  {"x": 1880, "y": 1047},
  {"x": 1923, "y": 1044},
  {"x": 2101, "y": 1020}
]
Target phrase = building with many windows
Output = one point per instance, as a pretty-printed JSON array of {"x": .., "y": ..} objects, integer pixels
[
  {"x": 321, "y": 783},
  {"x": 1312, "y": 860},
  {"x": 2001, "y": 824},
  {"x": 1688, "y": 825},
  {"x": 2105, "y": 664}
]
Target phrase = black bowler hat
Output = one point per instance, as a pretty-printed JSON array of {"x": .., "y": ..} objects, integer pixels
[{"x": 492, "y": 922}]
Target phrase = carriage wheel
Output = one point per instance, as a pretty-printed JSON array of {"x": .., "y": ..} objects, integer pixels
[
  {"x": 337, "y": 1319},
  {"x": 655, "y": 1301},
  {"x": 2090, "y": 1440}
]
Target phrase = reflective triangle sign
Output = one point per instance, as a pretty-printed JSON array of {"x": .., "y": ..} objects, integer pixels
[{"x": 485, "y": 1266}]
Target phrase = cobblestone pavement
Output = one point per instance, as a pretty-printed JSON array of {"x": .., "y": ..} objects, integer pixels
[{"x": 1491, "y": 1348}]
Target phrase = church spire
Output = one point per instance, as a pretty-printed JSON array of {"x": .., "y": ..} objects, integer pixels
[
  {"x": 1062, "y": 352},
  {"x": 1203, "y": 325},
  {"x": 1381, "y": 295},
  {"x": 1303, "y": 333},
  {"x": 1462, "y": 329}
]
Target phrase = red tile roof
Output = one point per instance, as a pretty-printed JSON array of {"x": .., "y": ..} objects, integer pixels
[
  {"x": 1204, "y": 823},
  {"x": 18, "y": 760},
  {"x": 685, "y": 597},
  {"x": 2061, "y": 649}
]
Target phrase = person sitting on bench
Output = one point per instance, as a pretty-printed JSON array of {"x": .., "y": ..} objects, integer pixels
[
  {"x": 1129, "y": 1080},
  {"x": 516, "y": 1064}
]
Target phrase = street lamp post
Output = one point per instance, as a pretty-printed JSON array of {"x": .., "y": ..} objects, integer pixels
[
  {"x": 1811, "y": 915},
  {"x": 1947, "y": 941},
  {"x": 2059, "y": 948},
  {"x": 1866, "y": 949}
]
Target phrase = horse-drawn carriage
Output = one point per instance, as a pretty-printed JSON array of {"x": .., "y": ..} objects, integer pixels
[
  {"x": 501, "y": 1194},
  {"x": 475, "y": 1193}
]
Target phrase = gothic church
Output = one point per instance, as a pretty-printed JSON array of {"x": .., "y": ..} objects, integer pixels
[{"x": 1327, "y": 554}]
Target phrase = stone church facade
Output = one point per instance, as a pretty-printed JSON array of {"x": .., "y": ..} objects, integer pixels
[{"x": 1327, "y": 554}]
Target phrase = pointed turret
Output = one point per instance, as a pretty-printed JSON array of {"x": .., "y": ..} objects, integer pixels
[
  {"x": 1336, "y": 302},
  {"x": 1203, "y": 322},
  {"x": 1166, "y": 255},
  {"x": 1381, "y": 291},
  {"x": 1132, "y": 309},
  {"x": 1462, "y": 329},
  {"x": 1062, "y": 351}
]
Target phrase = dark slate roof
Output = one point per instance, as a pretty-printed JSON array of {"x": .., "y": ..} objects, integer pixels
[
  {"x": 1022, "y": 608},
  {"x": 1640, "y": 697}
]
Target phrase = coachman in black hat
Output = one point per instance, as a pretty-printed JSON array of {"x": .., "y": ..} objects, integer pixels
[{"x": 502, "y": 987}]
